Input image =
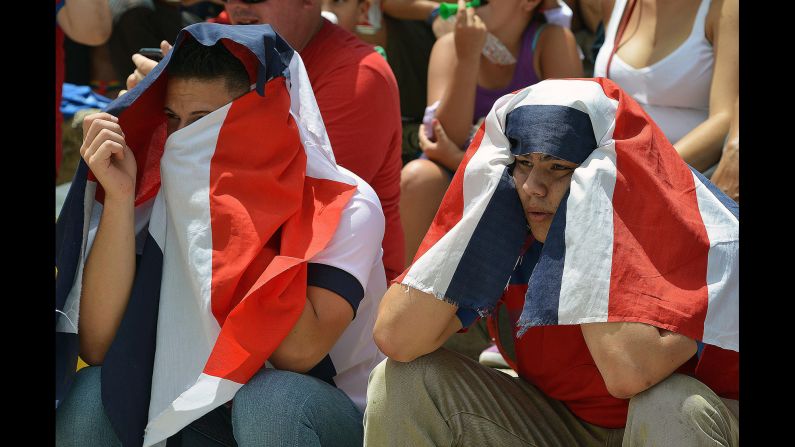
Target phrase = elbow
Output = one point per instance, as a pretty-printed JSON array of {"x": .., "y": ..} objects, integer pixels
[
  {"x": 626, "y": 386},
  {"x": 393, "y": 344},
  {"x": 92, "y": 356}
]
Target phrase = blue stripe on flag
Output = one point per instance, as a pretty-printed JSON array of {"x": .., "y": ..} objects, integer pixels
[
  {"x": 492, "y": 252},
  {"x": 127, "y": 370},
  {"x": 560, "y": 131},
  {"x": 543, "y": 291},
  {"x": 730, "y": 204},
  {"x": 68, "y": 243}
]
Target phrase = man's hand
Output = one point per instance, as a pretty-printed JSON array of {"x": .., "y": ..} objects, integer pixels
[
  {"x": 143, "y": 65},
  {"x": 107, "y": 155},
  {"x": 470, "y": 34},
  {"x": 443, "y": 151}
]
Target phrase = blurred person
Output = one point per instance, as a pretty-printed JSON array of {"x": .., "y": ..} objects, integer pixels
[
  {"x": 355, "y": 91},
  {"x": 84, "y": 21},
  {"x": 619, "y": 336},
  {"x": 679, "y": 59},
  {"x": 465, "y": 83},
  {"x": 222, "y": 236}
]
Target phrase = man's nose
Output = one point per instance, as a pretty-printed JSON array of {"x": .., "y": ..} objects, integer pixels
[{"x": 535, "y": 184}]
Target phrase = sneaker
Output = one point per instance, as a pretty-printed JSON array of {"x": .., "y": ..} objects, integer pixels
[{"x": 492, "y": 358}]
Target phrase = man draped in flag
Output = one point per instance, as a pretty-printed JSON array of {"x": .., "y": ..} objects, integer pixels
[
  {"x": 210, "y": 248},
  {"x": 615, "y": 264}
]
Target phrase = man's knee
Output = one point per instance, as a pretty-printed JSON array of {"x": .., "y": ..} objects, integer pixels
[
  {"x": 81, "y": 416},
  {"x": 391, "y": 376},
  {"x": 679, "y": 401}
]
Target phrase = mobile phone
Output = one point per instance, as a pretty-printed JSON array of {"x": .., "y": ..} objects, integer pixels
[{"x": 151, "y": 53}]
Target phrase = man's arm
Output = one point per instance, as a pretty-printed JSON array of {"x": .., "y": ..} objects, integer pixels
[
  {"x": 86, "y": 21},
  {"x": 634, "y": 356},
  {"x": 325, "y": 317},
  {"x": 411, "y": 323}
]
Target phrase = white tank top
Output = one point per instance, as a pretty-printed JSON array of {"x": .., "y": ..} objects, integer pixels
[{"x": 674, "y": 91}]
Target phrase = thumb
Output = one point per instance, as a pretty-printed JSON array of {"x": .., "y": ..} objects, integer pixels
[
  {"x": 165, "y": 47},
  {"x": 438, "y": 129}
]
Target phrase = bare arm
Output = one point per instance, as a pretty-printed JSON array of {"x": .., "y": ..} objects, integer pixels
[
  {"x": 325, "y": 317},
  {"x": 701, "y": 147},
  {"x": 453, "y": 74},
  {"x": 409, "y": 9},
  {"x": 558, "y": 57},
  {"x": 634, "y": 356},
  {"x": 110, "y": 267},
  {"x": 86, "y": 21},
  {"x": 727, "y": 174},
  {"x": 607, "y": 10},
  {"x": 411, "y": 323}
]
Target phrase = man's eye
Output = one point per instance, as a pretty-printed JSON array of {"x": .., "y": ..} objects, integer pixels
[
  {"x": 526, "y": 163},
  {"x": 559, "y": 167}
]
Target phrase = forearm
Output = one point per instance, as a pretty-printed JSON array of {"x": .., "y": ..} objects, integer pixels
[
  {"x": 632, "y": 357},
  {"x": 457, "y": 105},
  {"x": 411, "y": 323},
  {"x": 701, "y": 147},
  {"x": 409, "y": 9},
  {"x": 107, "y": 279},
  {"x": 86, "y": 21}
]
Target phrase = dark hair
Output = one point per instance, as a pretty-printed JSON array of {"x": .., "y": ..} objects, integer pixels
[{"x": 192, "y": 60}]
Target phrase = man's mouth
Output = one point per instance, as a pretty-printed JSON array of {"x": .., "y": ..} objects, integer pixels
[{"x": 538, "y": 214}]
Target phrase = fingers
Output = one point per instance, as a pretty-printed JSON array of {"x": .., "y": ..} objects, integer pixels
[
  {"x": 165, "y": 47},
  {"x": 89, "y": 119},
  {"x": 438, "y": 130},
  {"x": 102, "y": 155},
  {"x": 424, "y": 141},
  {"x": 461, "y": 15},
  {"x": 143, "y": 65},
  {"x": 100, "y": 131}
]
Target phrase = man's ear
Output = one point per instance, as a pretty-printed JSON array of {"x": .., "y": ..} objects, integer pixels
[{"x": 364, "y": 7}]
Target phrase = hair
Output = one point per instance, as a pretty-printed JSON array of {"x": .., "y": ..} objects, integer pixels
[{"x": 192, "y": 60}]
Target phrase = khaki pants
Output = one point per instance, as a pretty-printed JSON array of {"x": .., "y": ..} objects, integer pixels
[{"x": 446, "y": 399}]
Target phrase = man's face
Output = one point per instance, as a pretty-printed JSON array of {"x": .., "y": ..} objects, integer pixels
[
  {"x": 187, "y": 100},
  {"x": 541, "y": 182},
  {"x": 290, "y": 18}
]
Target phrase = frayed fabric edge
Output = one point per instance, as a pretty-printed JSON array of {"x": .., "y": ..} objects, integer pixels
[{"x": 414, "y": 284}]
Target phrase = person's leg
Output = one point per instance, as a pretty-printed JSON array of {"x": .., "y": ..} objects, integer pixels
[
  {"x": 80, "y": 419},
  {"x": 422, "y": 187},
  {"x": 444, "y": 399},
  {"x": 680, "y": 410},
  {"x": 283, "y": 408}
]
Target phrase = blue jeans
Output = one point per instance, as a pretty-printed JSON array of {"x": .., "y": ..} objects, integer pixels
[{"x": 275, "y": 408}]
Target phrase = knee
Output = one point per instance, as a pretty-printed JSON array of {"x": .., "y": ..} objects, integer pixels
[
  {"x": 678, "y": 398},
  {"x": 420, "y": 175},
  {"x": 392, "y": 378},
  {"x": 274, "y": 395},
  {"x": 81, "y": 410}
]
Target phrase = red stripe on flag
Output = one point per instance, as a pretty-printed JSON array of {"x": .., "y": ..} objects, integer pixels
[
  {"x": 660, "y": 245},
  {"x": 267, "y": 220}
]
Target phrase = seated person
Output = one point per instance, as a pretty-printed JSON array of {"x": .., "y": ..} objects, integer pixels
[
  {"x": 224, "y": 255},
  {"x": 621, "y": 264}
]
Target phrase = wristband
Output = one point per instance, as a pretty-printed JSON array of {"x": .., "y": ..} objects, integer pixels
[{"x": 432, "y": 16}]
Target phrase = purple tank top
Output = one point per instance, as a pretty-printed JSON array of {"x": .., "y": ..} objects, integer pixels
[{"x": 523, "y": 76}]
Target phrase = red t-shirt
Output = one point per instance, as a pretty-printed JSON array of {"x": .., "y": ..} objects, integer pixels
[
  {"x": 357, "y": 95},
  {"x": 557, "y": 361}
]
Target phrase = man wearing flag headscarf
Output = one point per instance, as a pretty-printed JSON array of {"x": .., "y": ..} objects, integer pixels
[
  {"x": 210, "y": 248},
  {"x": 615, "y": 265}
]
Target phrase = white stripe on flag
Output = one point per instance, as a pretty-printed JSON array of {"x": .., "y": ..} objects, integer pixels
[
  {"x": 209, "y": 392},
  {"x": 585, "y": 286},
  {"x": 181, "y": 225},
  {"x": 721, "y": 325}
]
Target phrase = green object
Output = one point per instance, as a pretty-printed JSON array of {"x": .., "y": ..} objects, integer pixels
[
  {"x": 448, "y": 9},
  {"x": 380, "y": 50}
]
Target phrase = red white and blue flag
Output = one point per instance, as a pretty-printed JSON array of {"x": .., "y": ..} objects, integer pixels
[
  {"x": 639, "y": 237},
  {"x": 228, "y": 210}
]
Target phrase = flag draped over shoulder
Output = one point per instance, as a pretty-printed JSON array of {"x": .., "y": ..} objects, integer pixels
[
  {"x": 227, "y": 212},
  {"x": 639, "y": 237}
]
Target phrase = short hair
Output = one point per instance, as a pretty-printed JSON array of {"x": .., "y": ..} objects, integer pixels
[{"x": 192, "y": 60}]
